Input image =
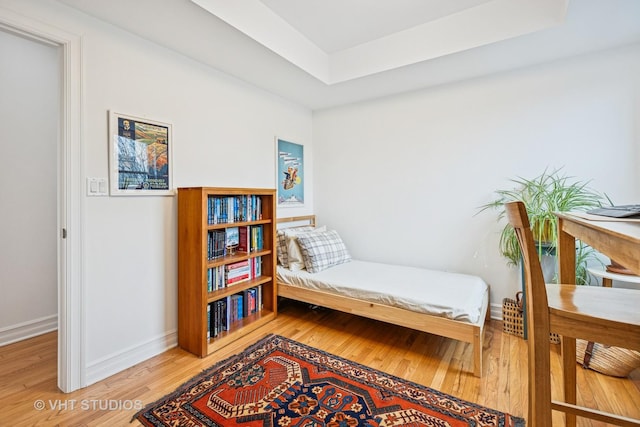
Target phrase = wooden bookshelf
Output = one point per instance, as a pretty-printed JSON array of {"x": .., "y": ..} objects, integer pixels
[{"x": 203, "y": 271}]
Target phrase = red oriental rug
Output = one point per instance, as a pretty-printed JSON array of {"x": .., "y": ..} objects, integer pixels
[{"x": 281, "y": 383}]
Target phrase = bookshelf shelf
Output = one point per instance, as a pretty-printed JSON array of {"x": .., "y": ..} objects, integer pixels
[
  {"x": 238, "y": 224},
  {"x": 222, "y": 296},
  {"x": 223, "y": 293},
  {"x": 238, "y": 256},
  {"x": 240, "y": 328}
]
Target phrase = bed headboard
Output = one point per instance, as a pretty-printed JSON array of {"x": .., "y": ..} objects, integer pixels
[{"x": 296, "y": 221}]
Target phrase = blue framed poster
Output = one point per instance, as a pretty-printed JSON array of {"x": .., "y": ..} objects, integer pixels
[{"x": 290, "y": 173}]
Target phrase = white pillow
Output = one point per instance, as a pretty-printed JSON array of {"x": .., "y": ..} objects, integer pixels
[
  {"x": 284, "y": 237},
  {"x": 322, "y": 249},
  {"x": 294, "y": 255}
]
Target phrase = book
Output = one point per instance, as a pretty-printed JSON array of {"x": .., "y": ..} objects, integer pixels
[
  {"x": 227, "y": 313},
  {"x": 209, "y": 320},
  {"x": 237, "y": 264},
  {"x": 244, "y": 239},
  {"x": 236, "y": 309},
  {"x": 231, "y": 209},
  {"x": 256, "y": 267},
  {"x": 257, "y": 243},
  {"x": 222, "y": 315},
  {"x": 236, "y": 280},
  {"x": 250, "y": 301}
]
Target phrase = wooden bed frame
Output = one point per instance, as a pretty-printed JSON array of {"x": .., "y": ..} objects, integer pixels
[{"x": 455, "y": 329}]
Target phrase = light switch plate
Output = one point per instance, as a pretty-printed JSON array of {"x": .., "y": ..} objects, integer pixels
[{"x": 97, "y": 186}]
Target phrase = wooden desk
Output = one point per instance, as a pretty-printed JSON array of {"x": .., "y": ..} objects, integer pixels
[{"x": 619, "y": 241}]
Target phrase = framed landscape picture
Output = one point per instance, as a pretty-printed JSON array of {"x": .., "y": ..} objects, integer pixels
[
  {"x": 139, "y": 156},
  {"x": 290, "y": 173}
]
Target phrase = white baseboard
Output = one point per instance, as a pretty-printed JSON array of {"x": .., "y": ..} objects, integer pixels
[
  {"x": 29, "y": 329},
  {"x": 496, "y": 311},
  {"x": 117, "y": 362}
]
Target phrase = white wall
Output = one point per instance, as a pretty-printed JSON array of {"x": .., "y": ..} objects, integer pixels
[
  {"x": 29, "y": 117},
  {"x": 223, "y": 134},
  {"x": 402, "y": 177}
]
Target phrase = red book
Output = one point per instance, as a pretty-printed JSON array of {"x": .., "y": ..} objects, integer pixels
[{"x": 244, "y": 237}]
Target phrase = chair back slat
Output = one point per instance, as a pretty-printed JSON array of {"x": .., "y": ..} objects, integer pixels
[{"x": 536, "y": 304}]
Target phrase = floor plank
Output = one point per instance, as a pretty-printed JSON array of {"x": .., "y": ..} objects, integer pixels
[{"x": 28, "y": 370}]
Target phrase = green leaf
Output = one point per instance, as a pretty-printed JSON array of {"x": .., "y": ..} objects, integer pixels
[{"x": 543, "y": 196}]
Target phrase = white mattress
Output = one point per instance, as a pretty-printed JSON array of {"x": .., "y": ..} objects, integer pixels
[{"x": 451, "y": 295}]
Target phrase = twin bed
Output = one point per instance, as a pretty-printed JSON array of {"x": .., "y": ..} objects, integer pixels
[{"x": 315, "y": 267}]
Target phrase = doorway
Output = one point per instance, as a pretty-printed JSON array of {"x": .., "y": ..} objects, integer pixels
[
  {"x": 67, "y": 189},
  {"x": 29, "y": 141}
]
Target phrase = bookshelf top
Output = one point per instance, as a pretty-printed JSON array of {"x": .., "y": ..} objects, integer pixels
[{"x": 231, "y": 191}]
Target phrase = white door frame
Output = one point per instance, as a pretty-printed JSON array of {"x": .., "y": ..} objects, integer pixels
[{"x": 71, "y": 338}]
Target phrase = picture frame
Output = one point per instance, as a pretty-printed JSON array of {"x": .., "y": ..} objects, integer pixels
[
  {"x": 140, "y": 161},
  {"x": 290, "y": 178}
]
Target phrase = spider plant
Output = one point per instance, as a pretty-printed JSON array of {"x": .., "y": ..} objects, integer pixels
[
  {"x": 542, "y": 196},
  {"x": 584, "y": 254}
]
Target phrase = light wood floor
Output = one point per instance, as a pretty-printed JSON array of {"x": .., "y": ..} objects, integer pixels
[{"x": 28, "y": 371}]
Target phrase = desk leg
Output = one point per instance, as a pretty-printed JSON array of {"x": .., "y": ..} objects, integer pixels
[{"x": 566, "y": 251}]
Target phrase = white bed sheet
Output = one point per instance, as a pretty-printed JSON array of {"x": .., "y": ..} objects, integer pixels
[{"x": 451, "y": 295}]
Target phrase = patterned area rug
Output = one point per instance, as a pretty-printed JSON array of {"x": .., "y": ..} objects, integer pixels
[{"x": 281, "y": 383}]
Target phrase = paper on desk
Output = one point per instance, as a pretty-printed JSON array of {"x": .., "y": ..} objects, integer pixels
[{"x": 591, "y": 217}]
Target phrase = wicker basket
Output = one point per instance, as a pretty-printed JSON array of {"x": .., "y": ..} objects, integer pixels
[
  {"x": 614, "y": 361},
  {"x": 512, "y": 322},
  {"x": 512, "y": 318}
]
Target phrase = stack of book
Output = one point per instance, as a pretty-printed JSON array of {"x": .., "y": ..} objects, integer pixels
[
  {"x": 222, "y": 210},
  {"x": 250, "y": 238},
  {"x": 225, "y": 311},
  {"x": 223, "y": 276},
  {"x": 244, "y": 239},
  {"x": 237, "y": 272},
  {"x": 216, "y": 244}
]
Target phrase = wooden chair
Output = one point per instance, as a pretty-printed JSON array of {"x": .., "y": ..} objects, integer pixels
[{"x": 605, "y": 315}]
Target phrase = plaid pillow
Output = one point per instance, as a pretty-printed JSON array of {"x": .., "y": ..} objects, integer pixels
[
  {"x": 321, "y": 250},
  {"x": 281, "y": 237}
]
